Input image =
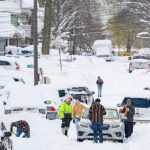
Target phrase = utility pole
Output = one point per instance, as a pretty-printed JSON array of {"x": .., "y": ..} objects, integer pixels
[{"x": 35, "y": 38}]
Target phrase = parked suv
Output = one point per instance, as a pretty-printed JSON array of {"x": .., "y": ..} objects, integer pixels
[
  {"x": 142, "y": 108},
  {"x": 5, "y": 141},
  {"x": 113, "y": 127},
  {"x": 77, "y": 92}
]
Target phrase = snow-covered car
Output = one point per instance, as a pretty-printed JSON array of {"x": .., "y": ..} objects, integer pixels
[
  {"x": 5, "y": 141},
  {"x": 77, "y": 92},
  {"x": 9, "y": 65},
  {"x": 139, "y": 62},
  {"x": 113, "y": 127},
  {"x": 142, "y": 109},
  {"x": 51, "y": 110}
]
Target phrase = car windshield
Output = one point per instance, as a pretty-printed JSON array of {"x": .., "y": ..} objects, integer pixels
[
  {"x": 140, "y": 57},
  {"x": 104, "y": 56},
  {"x": 138, "y": 102},
  {"x": 77, "y": 96},
  {"x": 110, "y": 114},
  {"x": 26, "y": 52}
]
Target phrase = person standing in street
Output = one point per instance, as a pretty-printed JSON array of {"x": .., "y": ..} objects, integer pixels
[
  {"x": 129, "y": 112},
  {"x": 99, "y": 83},
  {"x": 65, "y": 114},
  {"x": 96, "y": 113},
  {"x": 77, "y": 113}
]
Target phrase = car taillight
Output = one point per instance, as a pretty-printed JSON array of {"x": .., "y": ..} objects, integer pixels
[
  {"x": 53, "y": 109},
  {"x": 17, "y": 67}
]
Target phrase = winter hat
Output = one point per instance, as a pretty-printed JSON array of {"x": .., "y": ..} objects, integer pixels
[
  {"x": 97, "y": 100},
  {"x": 69, "y": 99}
]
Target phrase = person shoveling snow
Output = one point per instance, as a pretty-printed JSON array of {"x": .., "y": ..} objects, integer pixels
[{"x": 22, "y": 127}]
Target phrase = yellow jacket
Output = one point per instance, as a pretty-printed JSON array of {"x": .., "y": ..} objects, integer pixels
[{"x": 78, "y": 110}]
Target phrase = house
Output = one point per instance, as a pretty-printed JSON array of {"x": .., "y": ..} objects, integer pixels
[
  {"x": 16, "y": 23},
  {"x": 10, "y": 33}
]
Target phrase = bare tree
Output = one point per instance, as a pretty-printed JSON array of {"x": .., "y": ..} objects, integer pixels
[{"x": 47, "y": 27}]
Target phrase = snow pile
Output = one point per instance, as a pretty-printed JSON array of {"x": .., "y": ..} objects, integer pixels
[{"x": 9, "y": 6}]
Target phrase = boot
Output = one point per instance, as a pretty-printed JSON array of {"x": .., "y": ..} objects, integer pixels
[{"x": 66, "y": 133}]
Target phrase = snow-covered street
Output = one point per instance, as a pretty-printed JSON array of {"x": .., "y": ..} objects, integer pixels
[{"x": 46, "y": 134}]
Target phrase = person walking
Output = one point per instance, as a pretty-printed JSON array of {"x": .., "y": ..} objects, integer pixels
[
  {"x": 22, "y": 127},
  {"x": 129, "y": 112},
  {"x": 96, "y": 113},
  {"x": 77, "y": 113},
  {"x": 99, "y": 83},
  {"x": 65, "y": 114}
]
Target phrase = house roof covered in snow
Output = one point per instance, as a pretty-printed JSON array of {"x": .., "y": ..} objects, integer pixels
[
  {"x": 28, "y": 4},
  {"x": 9, "y": 6}
]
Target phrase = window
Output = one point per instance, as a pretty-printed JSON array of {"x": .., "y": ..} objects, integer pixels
[
  {"x": 138, "y": 102},
  {"x": 17, "y": 109},
  {"x": 16, "y": 80},
  {"x": 4, "y": 63},
  {"x": 14, "y": 19},
  {"x": 110, "y": 114},
  {"x": 140, "y": 57},
  {"x": 77, "y": 96}
]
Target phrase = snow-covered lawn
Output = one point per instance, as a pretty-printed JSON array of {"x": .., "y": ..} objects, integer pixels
[{"x": 46, "y": 134}]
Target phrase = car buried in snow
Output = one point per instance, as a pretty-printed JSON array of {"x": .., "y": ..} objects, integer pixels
[
  {"x": 77, "y": 92},
  {"x": 113, "y": 127}
]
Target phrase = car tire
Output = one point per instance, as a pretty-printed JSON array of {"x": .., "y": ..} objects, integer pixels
[{"x": 80, "y": 140}]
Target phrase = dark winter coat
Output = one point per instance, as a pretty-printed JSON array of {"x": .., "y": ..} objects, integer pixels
[
  {"x": 96, "y": 113},
  {"x": 130, "y": 113},
  {"x": 99, "y": 82},
  {"x": 21, "y": 124}
]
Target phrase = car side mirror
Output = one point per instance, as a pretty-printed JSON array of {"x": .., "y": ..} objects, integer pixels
[
  {"x": 7, "y": 134},
  {"x": 119, "y": 105}
]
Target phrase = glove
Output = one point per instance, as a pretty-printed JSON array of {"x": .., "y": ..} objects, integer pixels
[
  {"x": 73, "y": 121},
  {"x": 126, "y": 110}
]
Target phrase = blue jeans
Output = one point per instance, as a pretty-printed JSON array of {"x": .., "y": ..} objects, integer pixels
[
  {"x": 98, "y": 131},
  {"x": 19, "y": 132},
  {"x": 99, "y": 90},
  {"x": 77, "y": 120}
]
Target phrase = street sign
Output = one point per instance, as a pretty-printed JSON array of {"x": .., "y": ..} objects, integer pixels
[
  {"x": 30, "y": 66},
  {"x": 48, "y": 102}
]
